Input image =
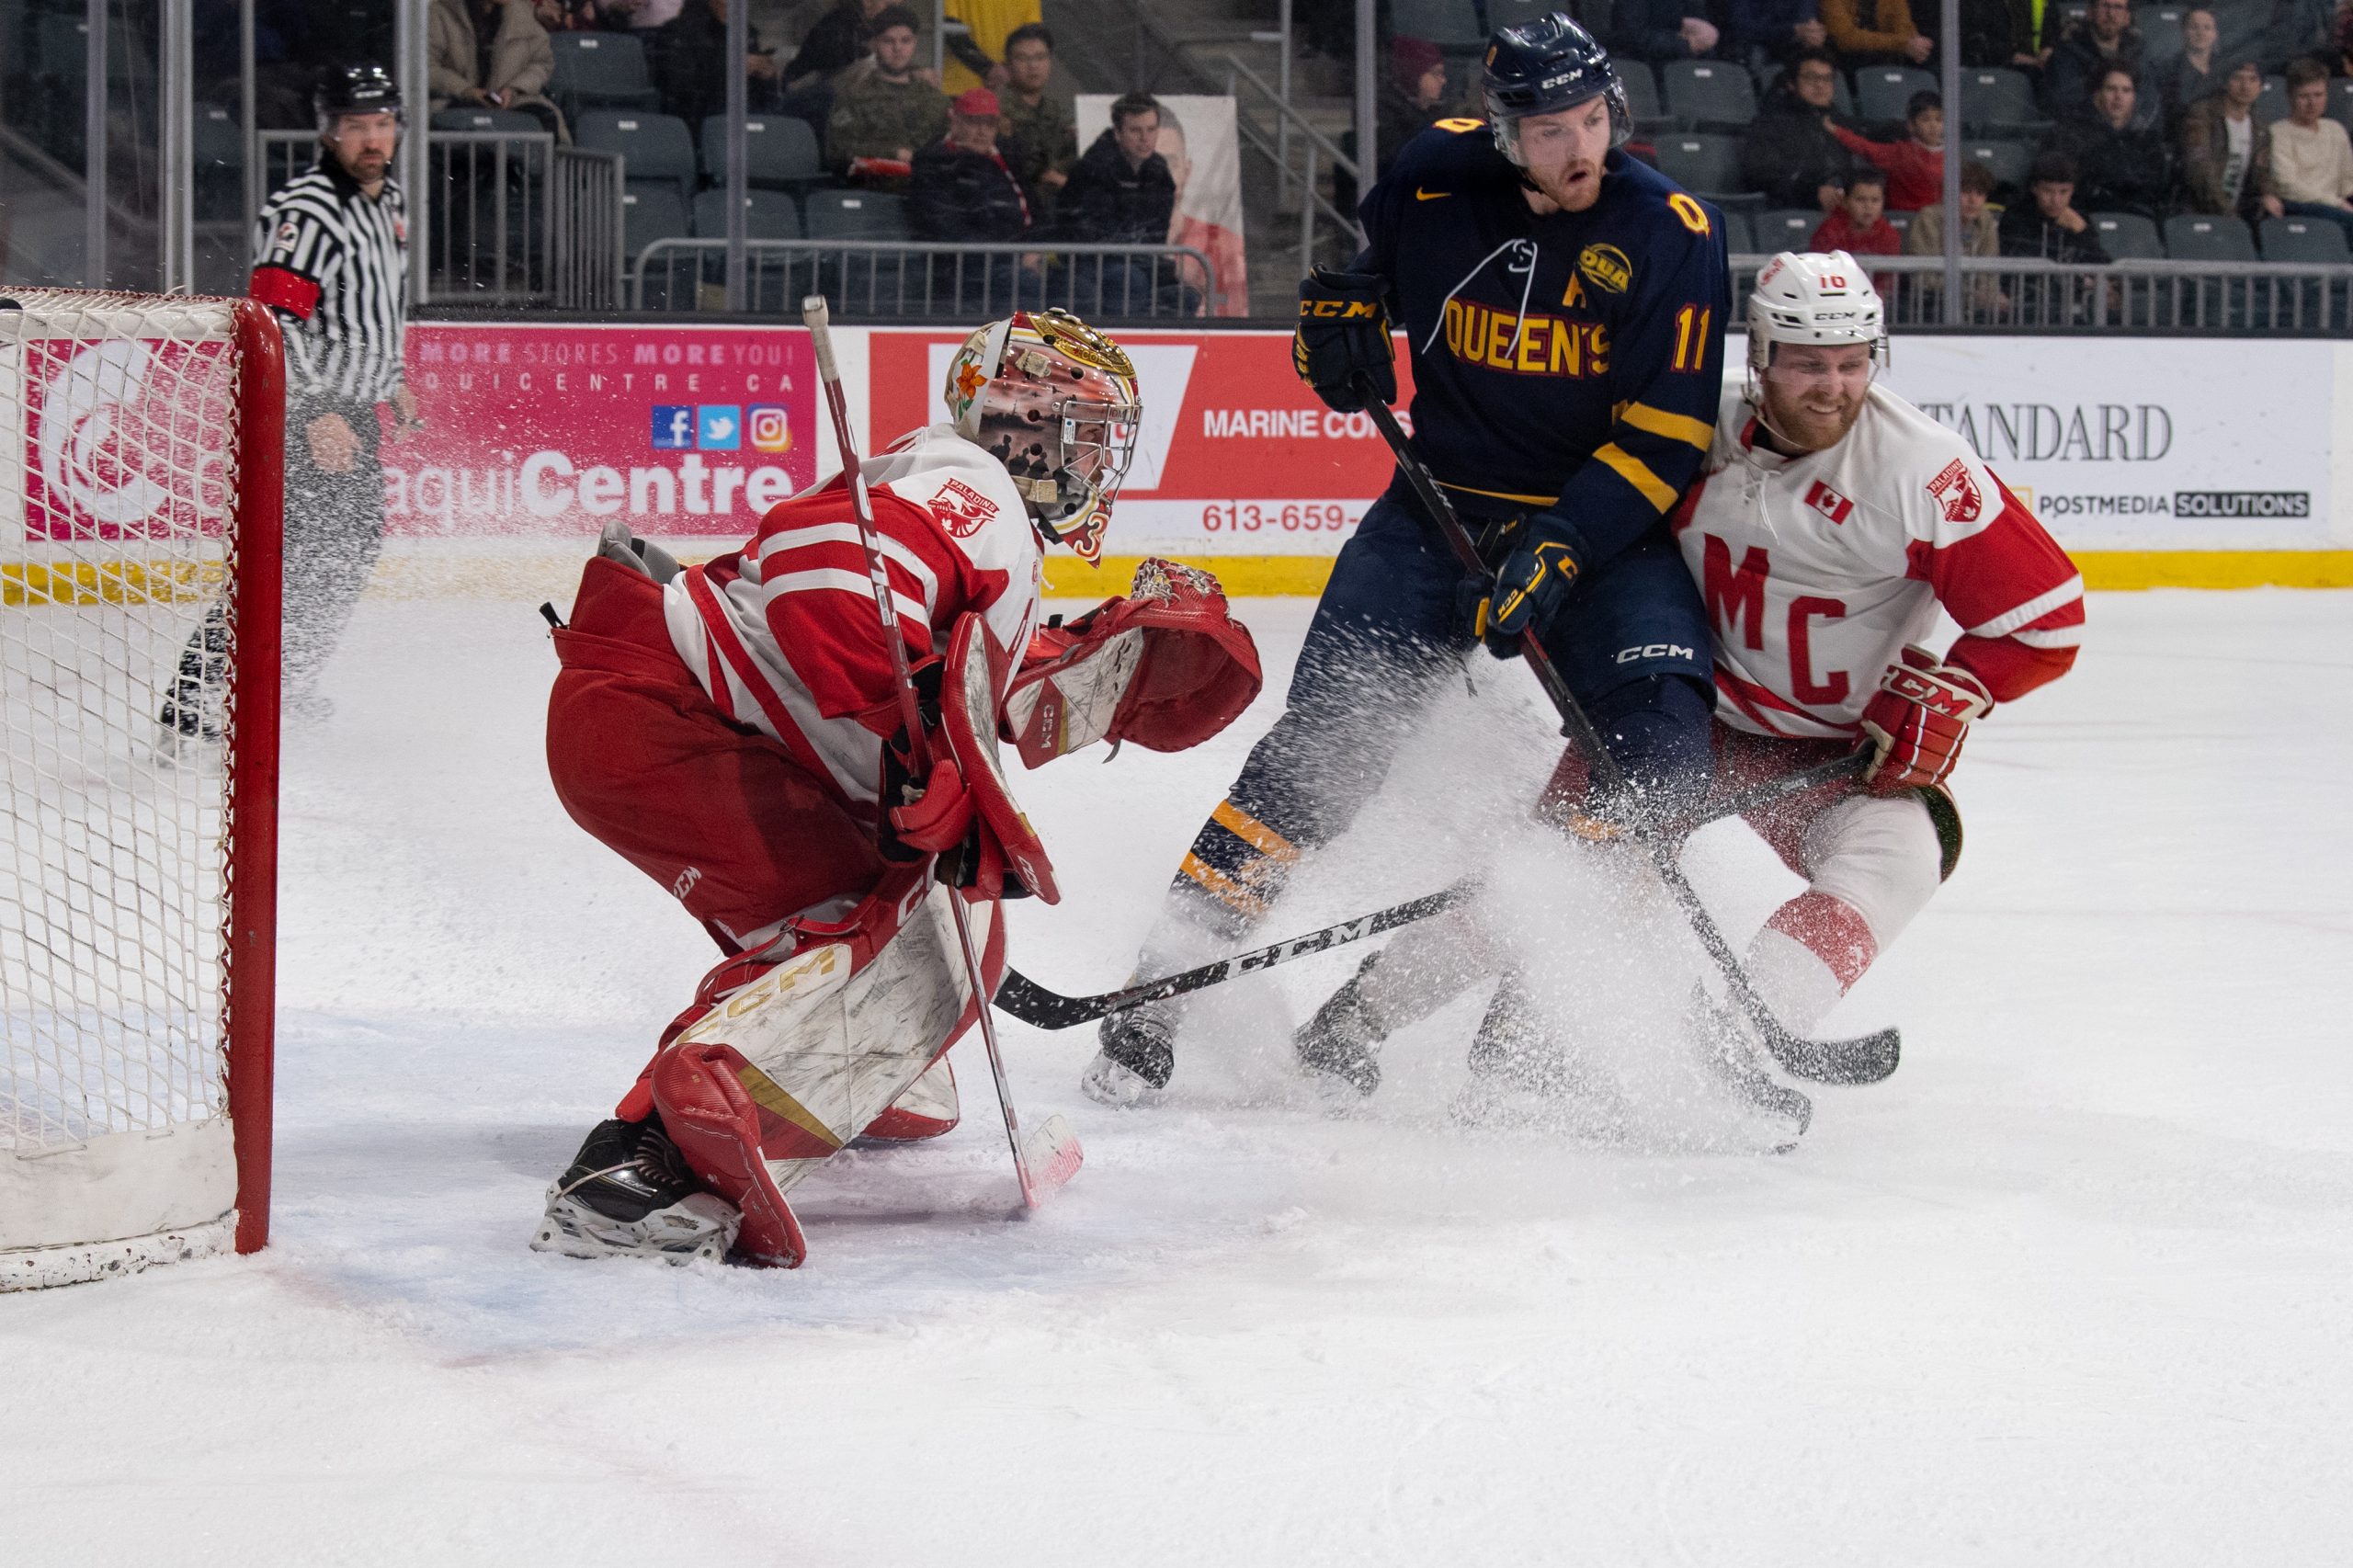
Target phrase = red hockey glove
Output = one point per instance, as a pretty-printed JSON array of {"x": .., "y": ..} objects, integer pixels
[
  {"x": 938, "y": 820},
  {"x": 1917, "y": 721}
]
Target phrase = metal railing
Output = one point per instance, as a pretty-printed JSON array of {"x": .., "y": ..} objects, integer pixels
[
  {"x": 2015, "y": 294},
  {"x": 1276, "y": 150},
  {"x": 895, "y": 278},
  {"x": 514, "y": 219}
]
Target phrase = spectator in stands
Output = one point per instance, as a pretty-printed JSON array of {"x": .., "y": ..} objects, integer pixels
[
  {"x": 2226, "y": 152},
  {"x": 688, "y": 55},
  {"x": 2121, "y": 164},
  {"x": 2311, "y": 162},
  {"x": 1791, "y": 152},
  {"x": 1040, "y": 142},
  {"x": 2105, "y": 37},
  {"x": 1876, "y": 32},
  {"x": 2049, "y": 227},
  {"x": 1122, "y": 192},
  {"x": 491, "y": 52},
  {"x": 1980, "y": 235},
  {"x": 1999, "y": 34},
  {"x": 835, "y": 42},
  {"x": 1413, "y": 97},
  {"x": 1663, "y": 29},
  {"x": 2196, "y": 71},
  {"x": 888, "y": 112},
  {"x": 1860, "y": 227},
  {"x": 1757, "y": 32},
  {"x": 965, "y": 190},
  {"x": 1915, "y": 168}
]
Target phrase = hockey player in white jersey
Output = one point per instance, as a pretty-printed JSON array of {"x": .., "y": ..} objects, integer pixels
[{"x": 1831, "y": 522}]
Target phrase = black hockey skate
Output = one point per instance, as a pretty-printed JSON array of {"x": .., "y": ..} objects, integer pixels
[
  {"x": 1524, "y": 1076},
  {"x": 629, "y": 1193},
  {"x": 1336, "y": 1045},
  {"x": 1138, "y": 1058}
]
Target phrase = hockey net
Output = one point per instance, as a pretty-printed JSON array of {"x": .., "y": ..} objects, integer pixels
[{"x": 141, "y": 444}]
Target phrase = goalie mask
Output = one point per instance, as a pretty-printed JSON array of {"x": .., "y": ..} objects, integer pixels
[{"x": 1056, "y": 402}]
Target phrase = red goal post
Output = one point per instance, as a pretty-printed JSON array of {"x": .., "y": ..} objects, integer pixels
[{"x": 141, "y": 447}]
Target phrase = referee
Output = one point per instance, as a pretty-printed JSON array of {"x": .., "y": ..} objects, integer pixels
[{"x": 332, "y": 244}]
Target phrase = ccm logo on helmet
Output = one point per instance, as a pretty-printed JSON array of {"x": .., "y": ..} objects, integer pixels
[{"x": 1654, "y": 651}]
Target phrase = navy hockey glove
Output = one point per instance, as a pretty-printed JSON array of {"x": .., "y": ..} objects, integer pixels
[
  {"x": 1344, "y": 330},
  {"x": 1528, "y": 585}
]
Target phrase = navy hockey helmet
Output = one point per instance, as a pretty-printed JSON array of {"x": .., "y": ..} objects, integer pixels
[
  {"x": 364, "y": 88},
  {"x": 1545, "y": 66}
]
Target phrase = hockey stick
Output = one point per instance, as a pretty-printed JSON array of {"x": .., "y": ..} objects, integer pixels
[
  {"x": 1057, "y": 1150},
  {"x": 1033, "y": 1004},
  {"x": 1866, "y": 1059}
]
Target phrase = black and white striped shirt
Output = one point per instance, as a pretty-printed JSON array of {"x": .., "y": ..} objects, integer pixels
[{"x": 334, "y": 266}]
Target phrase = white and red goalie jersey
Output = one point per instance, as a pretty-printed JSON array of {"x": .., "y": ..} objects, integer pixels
[
  {"x": 1817, "y": 569},
  {"x": 783, "y": 632}
]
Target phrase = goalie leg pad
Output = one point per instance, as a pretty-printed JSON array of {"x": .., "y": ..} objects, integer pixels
[
  {"x": 928, "y": 1108},
  {"x": 717, "y": 1128}
]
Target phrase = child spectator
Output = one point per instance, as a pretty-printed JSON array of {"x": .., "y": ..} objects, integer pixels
[
  {"x": 1875, "y": 32},
  {"x": 2049, "y": 227},
  {"x": 1791, "y": 152},
  {"x": 2226, "y": 152},
  {"x": 1915, "y": 169},
  {"x": 1860, "y": 227},
  {"x": 1979, "y": 237},
  {"x": 2311, "y": 163}
]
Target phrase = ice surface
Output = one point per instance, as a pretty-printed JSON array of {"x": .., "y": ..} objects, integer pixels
[{"x": 2072, "y": 1288}]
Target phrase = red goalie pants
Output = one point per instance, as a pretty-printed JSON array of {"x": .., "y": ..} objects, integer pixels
[{"x": 715, "y": 812}]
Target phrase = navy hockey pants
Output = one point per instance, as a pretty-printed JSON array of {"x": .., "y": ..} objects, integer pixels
[{"x": 1631, "y": 639}]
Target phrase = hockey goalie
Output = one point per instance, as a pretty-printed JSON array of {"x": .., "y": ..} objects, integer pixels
[{"x": 733, "y": 731}]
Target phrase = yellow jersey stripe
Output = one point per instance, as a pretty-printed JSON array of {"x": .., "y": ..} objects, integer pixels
[
  {"x": 1634, "y": 472},
  {"x": 1673, "y": 426},
  {"x": 1499, "y": 494},
  {"x": 1226, "y": 891},
  {"x": 1254, "y": 832}
]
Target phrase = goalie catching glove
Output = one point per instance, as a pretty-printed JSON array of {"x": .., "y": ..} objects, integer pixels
[
  {"x": 1344, "y": 332},
  {"x": 1918, "y": 719},
  {"x": 1165, "y": 668},
  {"x": 1527, "y": 587}
]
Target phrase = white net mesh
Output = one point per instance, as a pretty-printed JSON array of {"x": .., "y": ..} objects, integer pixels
[{"x": 118, "y": 437}]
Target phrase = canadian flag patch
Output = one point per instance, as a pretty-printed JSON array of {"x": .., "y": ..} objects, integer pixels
[
  {"x": 963, "y": 510},
  {"x": 1828, "y": 502},
  {"x": 1957, "y": 493}
]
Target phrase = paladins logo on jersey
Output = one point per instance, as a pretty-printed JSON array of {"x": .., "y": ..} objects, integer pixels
[
  {"x": 1829, "y": 502},
  {"x": 963, "y": 509},
  {"x": 1957, "y": 493}
]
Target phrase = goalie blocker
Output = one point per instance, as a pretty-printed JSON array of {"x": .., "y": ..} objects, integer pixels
[{"x": 836, "y": 1020}]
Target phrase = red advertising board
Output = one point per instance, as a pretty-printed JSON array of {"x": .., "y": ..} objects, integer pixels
[
  {"x": 1236, "y": 456},
  {"x": 554, "y": 429}
]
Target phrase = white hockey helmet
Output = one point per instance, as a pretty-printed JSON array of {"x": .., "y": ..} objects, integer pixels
[
  {"x": 1809, "y": 297},
  {"x": 1056, "y": 402}
]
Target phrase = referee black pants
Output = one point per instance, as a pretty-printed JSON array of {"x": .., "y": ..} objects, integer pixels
[{"x": 335, "y": 531}]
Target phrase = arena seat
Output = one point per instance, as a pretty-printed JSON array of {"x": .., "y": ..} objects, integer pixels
[
  {"x": 1704, "y": 165},
  {"x": 1995, "y": 101},
  {"x": 653, "y": 147},
  {"x": 599, "y": 70},
  {"x": 780, "y": 151},
  {"x": 1882, "y": 91},
  {"x": 1785, "y": 228},
  {"x": 2195, "y": 236},
  {"x": 2127, "y": 236},
  {"x": 1709, "y": 95}
]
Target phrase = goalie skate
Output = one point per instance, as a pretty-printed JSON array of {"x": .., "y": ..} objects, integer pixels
[{"x": 629, "y": 1193}]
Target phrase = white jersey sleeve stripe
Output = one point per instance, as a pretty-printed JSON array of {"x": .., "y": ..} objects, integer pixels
[
  {"x": 2058, "y": 637},
  {"x": 2033, "y": 610},
  {"x": 847, "y": 533},
  {"x": 827, "y": 579}
]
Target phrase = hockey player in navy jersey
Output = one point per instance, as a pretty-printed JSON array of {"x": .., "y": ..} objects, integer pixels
[{"x": 1564, "y": 309}]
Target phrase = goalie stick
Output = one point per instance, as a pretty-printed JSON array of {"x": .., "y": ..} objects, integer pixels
[
  {"x": 1872, "y": 1056},
  {"x": 1052, "y": 1156},
  {"x": 1821, "y": 1061}
]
